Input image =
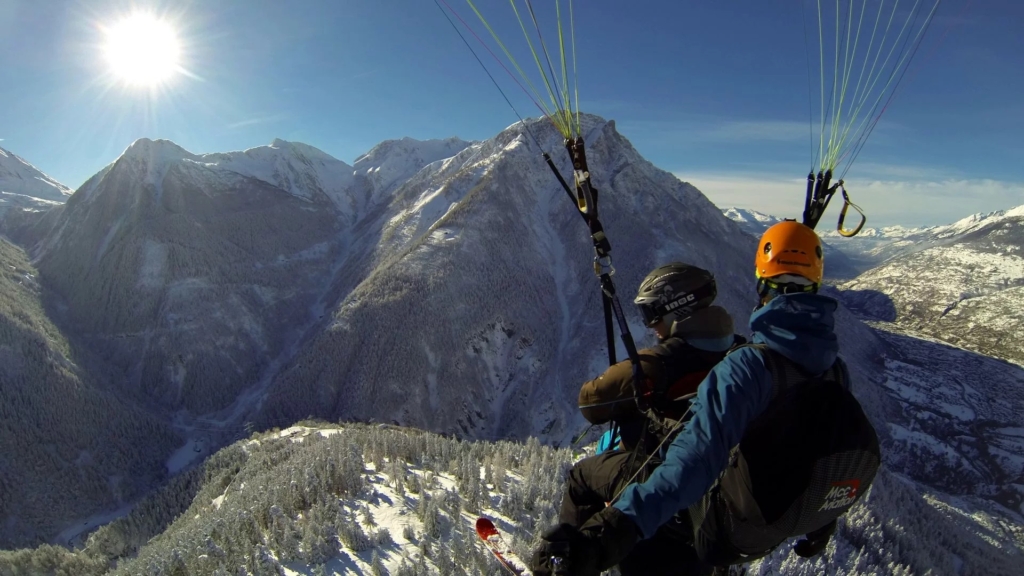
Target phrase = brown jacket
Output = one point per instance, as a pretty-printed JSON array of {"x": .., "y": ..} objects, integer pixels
[{"x": 672, "y": 371}]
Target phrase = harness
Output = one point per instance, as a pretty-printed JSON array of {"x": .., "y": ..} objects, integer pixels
[{"x": 803, "y": 462}]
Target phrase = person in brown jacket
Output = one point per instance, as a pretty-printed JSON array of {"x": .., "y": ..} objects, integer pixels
[{"x": 676, "y": 301}]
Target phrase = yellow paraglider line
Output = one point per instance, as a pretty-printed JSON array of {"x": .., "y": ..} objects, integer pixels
[
  {"x": 560, "y": 111},
  {"x": 539, "y": 100},
  {"x": 844, "y": 124}
]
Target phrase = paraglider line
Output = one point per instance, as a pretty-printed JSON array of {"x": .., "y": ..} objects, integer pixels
[
  {"x": 917, "y": 45},
  {"x": 810, "y": 91},
  {"x": 489, "y": 51},
  {"x": 488, "y": 72}
]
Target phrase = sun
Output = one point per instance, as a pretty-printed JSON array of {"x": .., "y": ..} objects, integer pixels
[{"x": 142, "y": 50}]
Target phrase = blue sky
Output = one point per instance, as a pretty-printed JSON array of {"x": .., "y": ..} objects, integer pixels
[{"x": 715, "y": 92}]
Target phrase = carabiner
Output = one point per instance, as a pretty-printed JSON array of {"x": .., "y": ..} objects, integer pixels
[
  {"x": 842, "y": 215},
  {"x": 586, "y": 197}
]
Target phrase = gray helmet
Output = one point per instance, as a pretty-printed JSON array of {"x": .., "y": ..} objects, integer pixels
[{"x": 674, "y": 291}]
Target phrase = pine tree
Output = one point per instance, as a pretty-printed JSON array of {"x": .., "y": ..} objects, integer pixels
[{"x": 377, "y": 566}]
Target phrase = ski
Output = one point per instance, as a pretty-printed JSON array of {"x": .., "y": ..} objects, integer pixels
[{"x": 491, "y": 538}]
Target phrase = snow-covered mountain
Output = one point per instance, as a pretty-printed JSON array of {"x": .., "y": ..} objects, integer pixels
[
  {"x": 752, "y": 221},
  {"x": 963, "y": 283},
  {"x": 838, "y": 264},
  {"x": 390, "y": 163},
  {"x": 191, "y": 273},
  {"x": 25, "y": 187}
]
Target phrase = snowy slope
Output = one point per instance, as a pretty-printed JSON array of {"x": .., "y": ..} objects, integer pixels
[
  {"x": 19, "y": 178},
  {"x": 355, "y": 499},
  {"x": 961, "y": 283},
  {"x": 299, "y": 169},
  {"x": 390, "y": 163},
  {"x": 23, "y": 188},
  {"x": 752, "y": 221}
]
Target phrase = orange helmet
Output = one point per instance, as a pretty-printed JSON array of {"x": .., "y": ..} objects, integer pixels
[{"x": 789, "y": 247}]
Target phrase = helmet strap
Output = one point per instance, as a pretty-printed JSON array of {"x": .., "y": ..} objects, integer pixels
[{"x": 766, "y": 287}]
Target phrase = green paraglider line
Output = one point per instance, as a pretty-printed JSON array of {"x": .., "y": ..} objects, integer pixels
[
  {"x": 489, "y": 75},
  {"x": 810, "y": 92},
  {"x": 539, "y": 100},
  {"x": 874, "y": 32},
  {"x": 821, "y": 64},
  {"x": 870, "y": 89},
  {"x": 864, "y": 136},
  {"x": 848, "y": 125},
  {"x": 540, "y": 67},
  {"x": 848, "y": 64},
  {"x": 898, "y": 69},
  {"x": 899, "y": 83},
  {"x": 575, "y": 70},
  {"x": 552, "y": 93},
  {"x": 565, "y": 77}
]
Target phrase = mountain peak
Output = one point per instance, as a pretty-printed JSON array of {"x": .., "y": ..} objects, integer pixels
[
  {"x": 19, "y": 177},
  {"x": 302, "y": 149},
  {"x": 394, "y": 161},
  {"x": 751, "y": 216},
  {"x": 158, "y": 151}
]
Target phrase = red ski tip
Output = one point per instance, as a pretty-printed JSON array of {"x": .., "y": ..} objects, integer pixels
[{"x": 485, "y": 528}]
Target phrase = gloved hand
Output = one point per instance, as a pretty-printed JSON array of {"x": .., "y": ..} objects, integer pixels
[
  {"x": 602, "y": 542},
  {"x": 815, "y": 542}
]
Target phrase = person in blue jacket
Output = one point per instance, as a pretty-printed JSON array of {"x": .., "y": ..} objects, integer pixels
[{"x": 776, "y": 446}]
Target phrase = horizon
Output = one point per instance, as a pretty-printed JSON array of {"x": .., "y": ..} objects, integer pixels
[{"x": 724, "y": 114}]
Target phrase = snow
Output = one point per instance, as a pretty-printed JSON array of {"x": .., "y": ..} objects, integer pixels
[
  {"x": 750, "y": 216},
  {"x": 958, "y": 411},
  {"x": 22, "y": 184},
  {"x": 392, "y": 162},
  {"x": 297, "y": 168},
  {"x": 154, "y": 259},
  {"x": 390, "y": 511},
  {"x": 927, "y": 442},
  {"x": 184, "y": 456},
  {"x": 298, "y": 433},
  {"x": 72, "y": 535}
]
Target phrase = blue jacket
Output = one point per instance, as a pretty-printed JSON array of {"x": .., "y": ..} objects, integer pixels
[{"x": 738, "y": 389}]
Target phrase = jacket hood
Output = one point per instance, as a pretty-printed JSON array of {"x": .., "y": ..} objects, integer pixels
[
  {"x": 709, "y": 329},
  {"x": 800, "y": 327}
]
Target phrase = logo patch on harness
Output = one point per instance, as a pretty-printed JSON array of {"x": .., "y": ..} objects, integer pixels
[{"x": 841, "y": 495}]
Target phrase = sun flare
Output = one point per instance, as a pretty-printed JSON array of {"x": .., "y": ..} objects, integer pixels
[{"x": 142, "y": 50}]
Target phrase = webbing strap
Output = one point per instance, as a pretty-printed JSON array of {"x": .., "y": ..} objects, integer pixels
[
  {"x": 585, "y": 199},
  {"x": 819, "y": 192}
]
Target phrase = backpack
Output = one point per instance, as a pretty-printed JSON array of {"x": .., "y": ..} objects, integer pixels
[{"x": 806, "y": 460}]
